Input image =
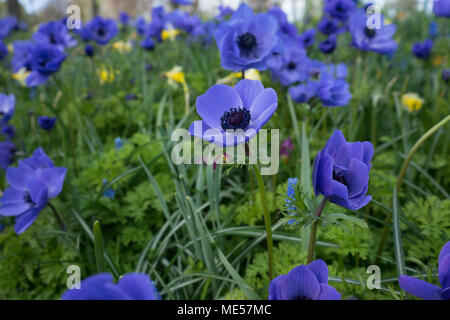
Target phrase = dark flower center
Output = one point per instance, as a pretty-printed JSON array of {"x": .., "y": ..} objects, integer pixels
[
  {"x": 370, "y": 33},
  {"x": 291, "y": 65},
  {"x": 340, "y": 7},
  {"x": 27, "y": 199},
  {"x": 101, "y": 32},
  {"x": 247, "y": 43},
  {"x": 53, "y": 39},
  {"x": 339, "y": 177},
  {"x": 42, "y": 62},
  {"x": 235, "y": 118}
]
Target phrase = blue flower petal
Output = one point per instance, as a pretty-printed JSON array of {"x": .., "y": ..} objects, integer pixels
[
  {"x": 212, "y": 105},
  {"x": 138, "y": 287},
  {"x": 248, "y": 91},
  {"x": 327, "y": 292},
  {"x": 320, "y": 270},
  {"x": 300, "y": 284},
  {"x": 445, "y": 251},
  {"x": 419, "y": 288}
]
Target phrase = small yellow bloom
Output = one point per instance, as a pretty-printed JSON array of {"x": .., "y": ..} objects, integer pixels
[
  {"x": 21, "y": 75},
  {"x": 122, "y": 46},
  {"x": 412, "y": 101},
  {"x": 169, "y": 34},
  {"x": 251, "y": 74},
  {"x": 176, "y": 75},
  {"x": 106, "y": 76},
  {"x": 438, "y": 60}
]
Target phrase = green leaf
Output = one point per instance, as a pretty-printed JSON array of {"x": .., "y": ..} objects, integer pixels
[
  {"x": 399, "y": 255},
  {"x": 98, "y": 246}
]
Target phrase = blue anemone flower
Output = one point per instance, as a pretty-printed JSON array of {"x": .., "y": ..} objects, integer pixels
[
  {"x": 22, "y": 54},
  {"x": 422, "y": 50},
  {"x": 183, "y": 2},
  {"x": 140, "y": 25},
  {"x": 101, "y": 30},
  {"x": 340, "y": 9},
  {"x": 426, "y": 290},
  {"x": 7, "y": 107},
  {"x": 47, "y": 123},
  {"x": 433, "y": 29},
  {"x": 332, "y": 92},
  {"x": 3, "y": 50},
  {"x": 244, "y": 110},
  {"x": 89, "y": 51},
  {"x": 341, "y": 172},
  {"x": 45, "y": 60},
  {"x": 7, "y": 152},
  {"x": 441, "y": 8},
  {"x": 328, "y": 26},
  {"x": 54, "y": 33},
  {"x": 303, "y": 92},
  {"x": 247, "y": 40},
  {"x": 32, "y": 184},
  {"x": 307, "y": 38},
  {"x": 446, "y": 75},
  {"x": 148, "y": 44},
  {"x": 328, "y": 45},
  {"x": 7, "y": 24},
  {"x": 124, "y": 18},
  {"x": 308, "y": 282},
  {"x": 294, "y": 65},
  {"x": 8, "y": 131},
  {"x": 367, "y": 39},
  {"x": 132, "y": 286}
]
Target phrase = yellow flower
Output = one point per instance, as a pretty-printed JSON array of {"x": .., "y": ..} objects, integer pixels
[
  {"x": 21, "y": 76},
  {"x": 438, "y": 60},
  {"x": 252, "y": 74},
  {"x": 106, "y": 76},
  {"x": 122, "y": 46},
  {"x": 412, "y": 101},
  {"x": 169, "y": 34},
  {"x": 176, "y": 75}
]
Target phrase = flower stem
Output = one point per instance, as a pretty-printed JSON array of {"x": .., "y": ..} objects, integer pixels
[
  {"x": 313, "y": 234},
  {"x": 262, "y": 191},
  {"x": 58, "y": 217},
  {"x": 402, "y": 174}
]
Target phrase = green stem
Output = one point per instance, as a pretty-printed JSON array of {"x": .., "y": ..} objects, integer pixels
[
  {"x": 402, "y": 174},
  {"x": 313, "y": 234},
  {"x": 58, "y": 217},
  {"x": 262, "y": 191},
  {"x": 416, "y": 147}
]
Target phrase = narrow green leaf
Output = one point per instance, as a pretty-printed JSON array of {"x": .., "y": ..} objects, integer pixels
[
  {"x": 248, "y": 291},
  {"x": 98, "y": 247},
  {"x": 399, "y": 255}
]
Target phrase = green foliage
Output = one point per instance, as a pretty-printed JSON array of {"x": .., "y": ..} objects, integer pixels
[{"x": 432, "y": 216}]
